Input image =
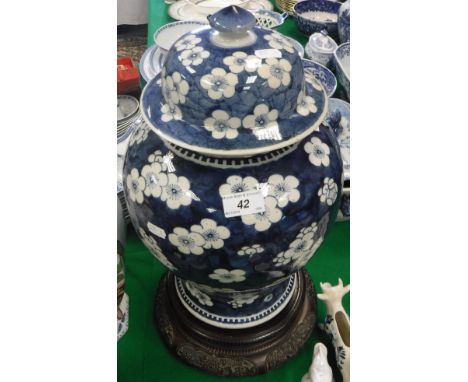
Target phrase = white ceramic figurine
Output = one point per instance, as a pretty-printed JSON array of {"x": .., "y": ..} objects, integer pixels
[
  {"x": 337, "y": 324},
  {"x": 320, "y": 370}
]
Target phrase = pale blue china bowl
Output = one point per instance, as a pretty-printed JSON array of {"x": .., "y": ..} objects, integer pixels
[{"x": 322, "y": 74}]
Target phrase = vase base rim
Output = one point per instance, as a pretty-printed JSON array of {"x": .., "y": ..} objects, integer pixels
[
  {"x": 236, "y": 352},
  {"x": 241, "y": 322}
]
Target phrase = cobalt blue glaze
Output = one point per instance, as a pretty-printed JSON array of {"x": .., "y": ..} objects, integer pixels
[
  {"x": 198, "y": 108},
  {"x": 309, "y": 26},
  {"x": 258, "y": 268}
]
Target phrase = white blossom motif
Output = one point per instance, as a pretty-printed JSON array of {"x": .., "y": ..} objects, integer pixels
[
  {"x": 237, "y": 184},
  {"x": 328, "y": 192},
  {"x": 276, "y": 72},
  {"x": 300, "y": 261},
  {"x": 282, "y": 259},
  {"x": 263, "y": 220},
  {"x": 305, "y": 104},
  {"x": 249, "y": 251},
  {"x": 303, "y": 247},
  {"x": 194, "y": 56},
  {"x": 139, "y": 135},
  {"x": 299, "y": 248},
  {"x": 319, "y": 152},
  {"x": 225, "y": 276},
  {"x": 261, "y": 118},
  {"x": 187, "y": 242},
  {"x": 135, "y": 186},
  {"x": 268, "y": 298},
  {"x": 283, "y": 189},
  {"x": 306, "y": 230},
  {"x": 202, "y": 298},
  {"x": 155, "y": 179},
  {"x": 275, "y": 40},
  {"x": 187, "y": 42},
  {"x": 213, "y": 234},
  {"x": 176, "y": 192},
  {"x": 240, "y": 61},
  {"x": 219, "y": 83},
  {"x": 170, "y": 112},
  {"x": 175, "y": 88},
  {"x": 241, "y": 299},
  {"x": 221, "y": 125},
  {"x": 155, "y": 249}
]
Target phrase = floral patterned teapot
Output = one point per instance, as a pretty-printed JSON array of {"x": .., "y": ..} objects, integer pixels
[{"x": 233, "y": 181}]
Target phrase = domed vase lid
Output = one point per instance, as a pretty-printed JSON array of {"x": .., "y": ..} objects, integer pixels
[{"x": 233, "y": 89}]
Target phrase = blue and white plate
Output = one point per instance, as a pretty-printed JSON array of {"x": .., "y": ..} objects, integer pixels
[{"x": 322, "y": 74}]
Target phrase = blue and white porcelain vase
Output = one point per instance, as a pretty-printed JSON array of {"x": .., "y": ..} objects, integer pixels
[{"x": 233, "y": 182}]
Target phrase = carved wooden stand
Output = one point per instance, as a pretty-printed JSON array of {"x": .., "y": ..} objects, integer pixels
[{"x": 236, "y": 352}]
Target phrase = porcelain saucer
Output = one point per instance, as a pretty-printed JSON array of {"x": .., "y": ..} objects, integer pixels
[
  {"x": 182, "y": 10},
  {"x": 151, "y": 62}
]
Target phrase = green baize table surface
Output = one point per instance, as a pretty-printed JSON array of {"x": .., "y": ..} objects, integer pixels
[{"x": 141, "y": 354}]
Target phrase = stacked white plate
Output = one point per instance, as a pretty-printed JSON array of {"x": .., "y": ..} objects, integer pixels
[
  {"x": 127, "y": 113},
  {"x": 199, "y": 9}
]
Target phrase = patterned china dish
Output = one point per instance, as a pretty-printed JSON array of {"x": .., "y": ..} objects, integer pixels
[
  {"x": 233, "y": 181},
  {"x": 269, "y": 19},
  {"x": 320, "y": 48},
  {"x": 316, "y": 15},
  {"x": 322, "y": 74},
  {"x": 342, "y": 65}
]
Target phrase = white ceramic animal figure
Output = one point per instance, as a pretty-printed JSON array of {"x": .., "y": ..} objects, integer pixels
[
  {"x": 319, "y": 370},
  {"x": 337, "y": 324}
]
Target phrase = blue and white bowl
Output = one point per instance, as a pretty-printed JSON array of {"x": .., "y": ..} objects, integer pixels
[
  {"x": 344, "y": 22},
  {"x": 322, "y": 74},
  {"x": 342, "y": 57},
  {"x": 316, "y": 15},
  {"x": 233, "y": 180}
]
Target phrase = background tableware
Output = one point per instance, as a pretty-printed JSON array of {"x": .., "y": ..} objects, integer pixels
[
  {"x": 338, "y": 118},
  {"x": 316, "y": 15},
  {"x": 344, "y": 22},
  {"x": 287, "y": 5},
  {"x": 208, "y": 7},
  {"x": 342, "y": 65},
  {"x": 322, "y": 74},
  {"x": 182, "y": 10},
  {"x": 165, "y": 36},
  {"x": 320, "y": 48},
  {"x": 269, "y": 19}
]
